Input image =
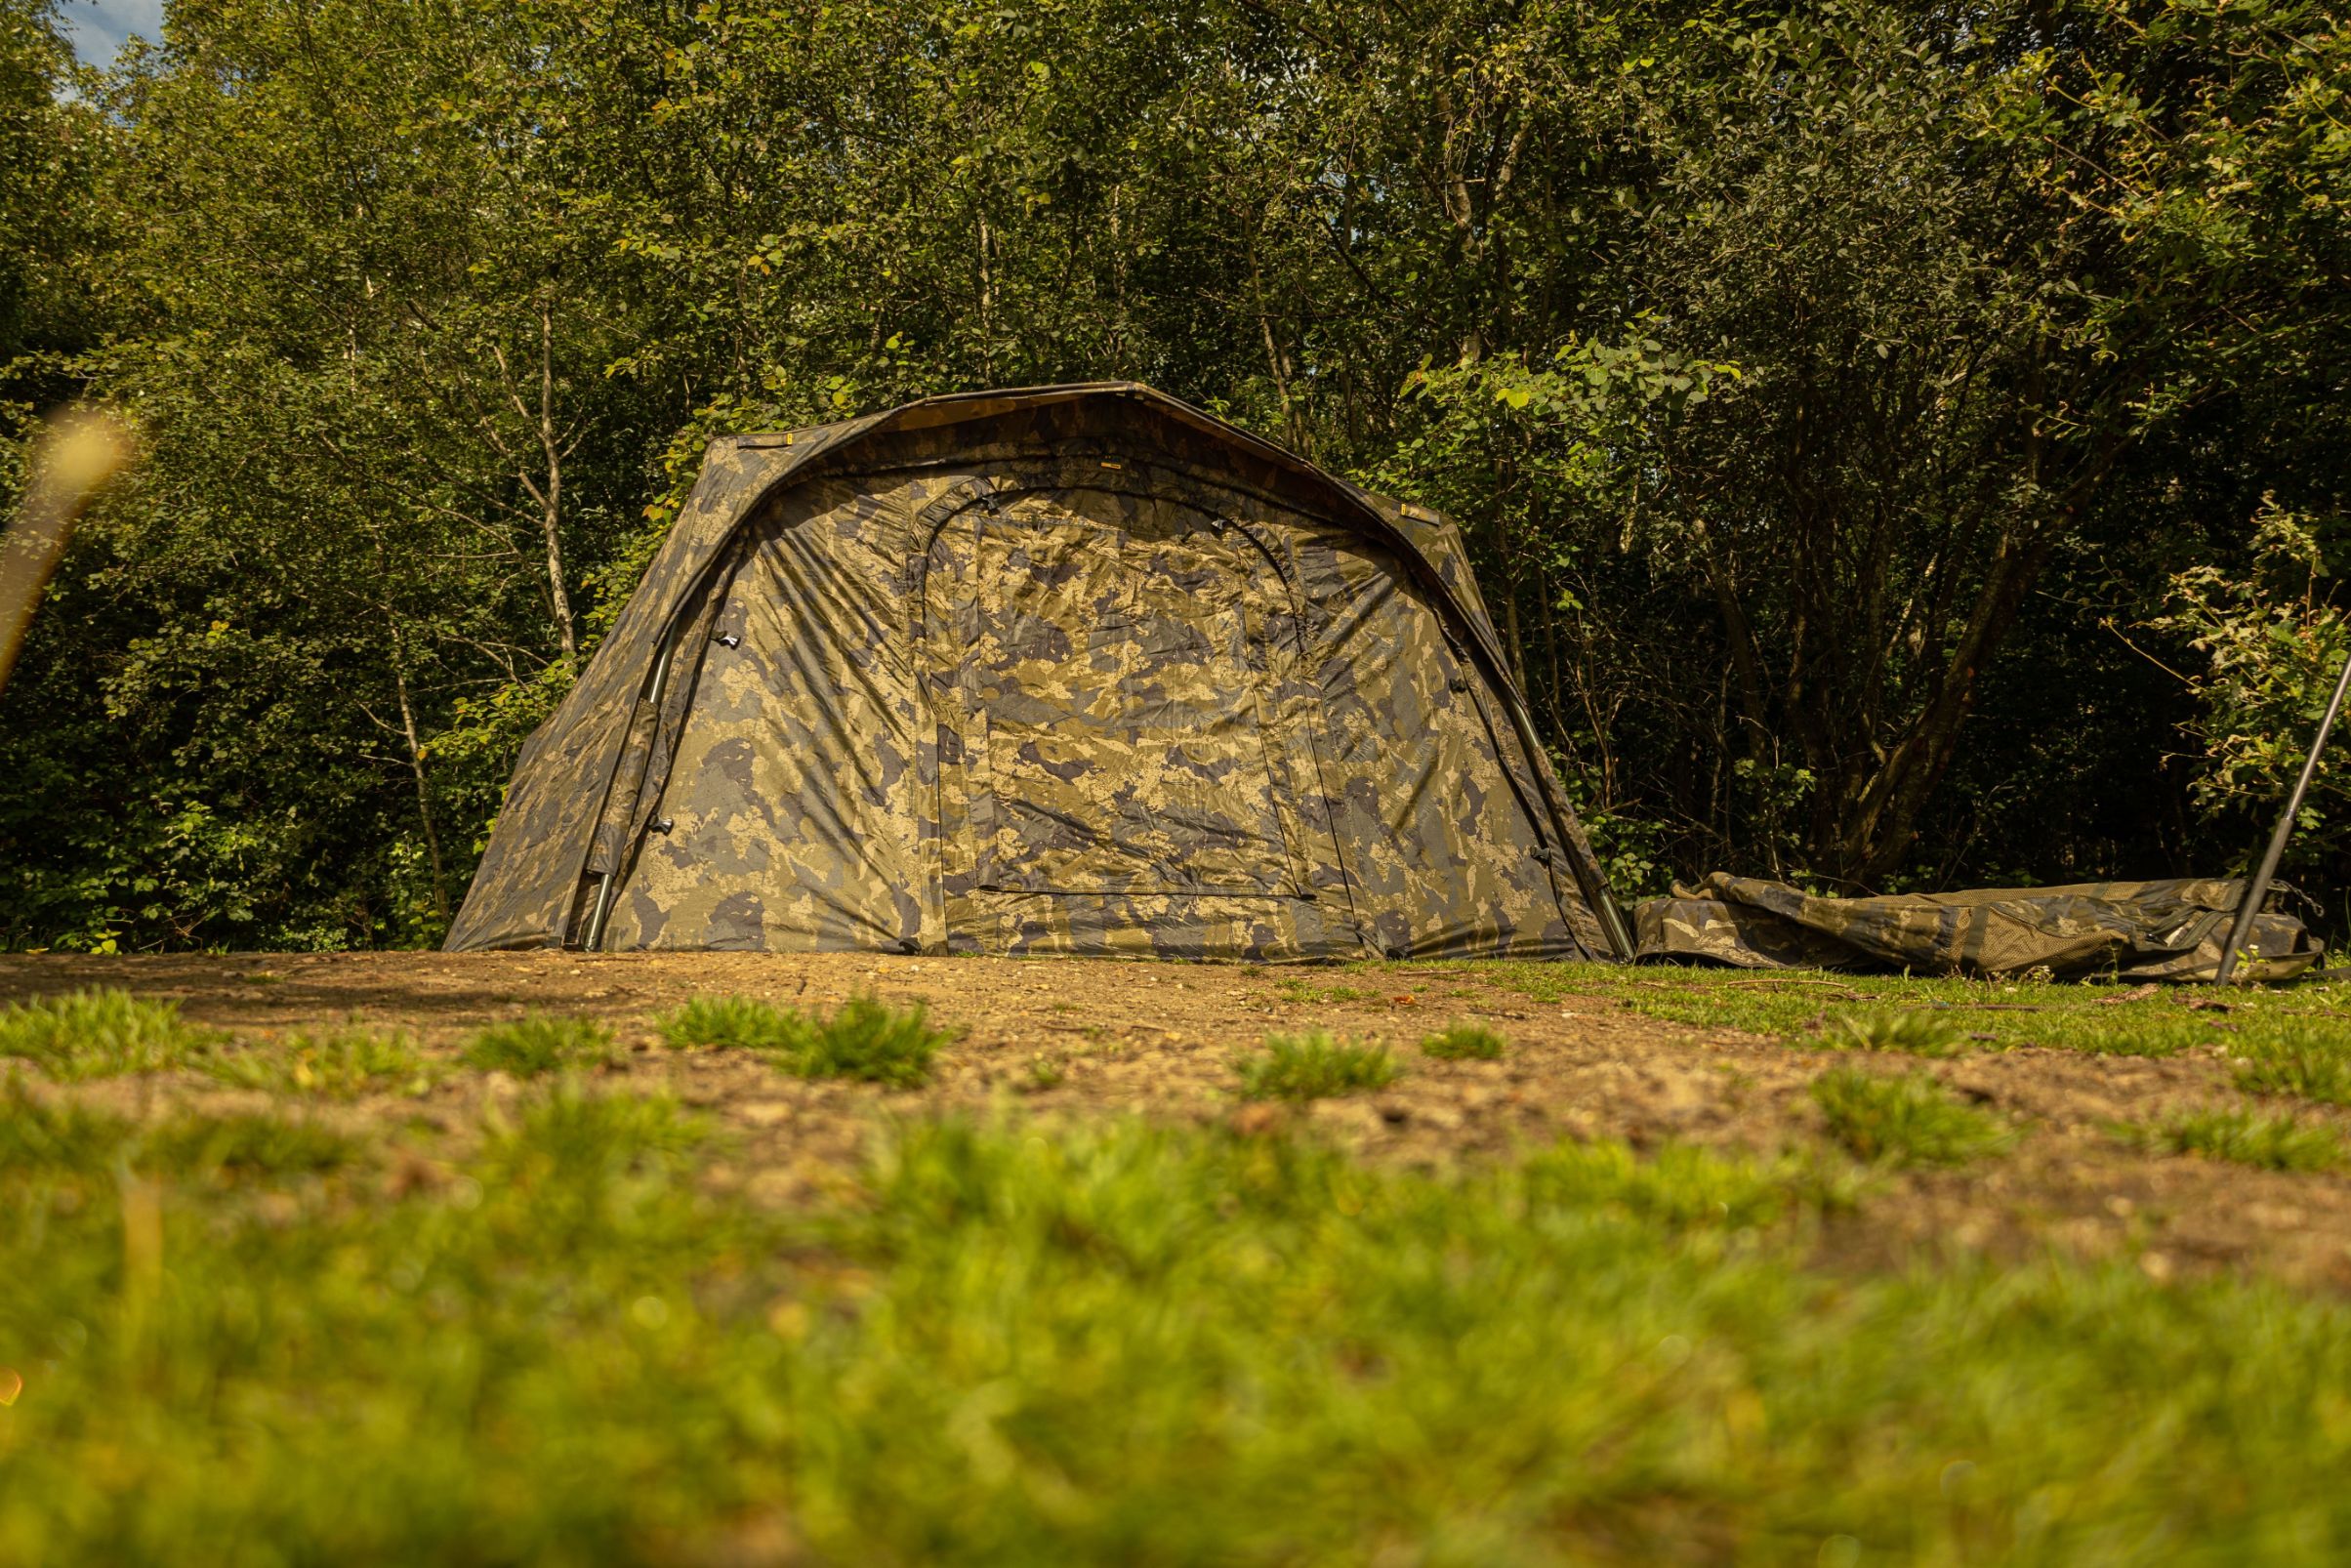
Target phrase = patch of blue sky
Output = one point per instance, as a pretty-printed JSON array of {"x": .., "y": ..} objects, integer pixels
[{"x": 96, "y": 29}]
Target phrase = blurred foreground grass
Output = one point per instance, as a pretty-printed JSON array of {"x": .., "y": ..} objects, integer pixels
[{"x": 251, "y": 1340}]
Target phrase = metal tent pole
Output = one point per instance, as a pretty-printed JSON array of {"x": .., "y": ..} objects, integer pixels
[
  {"x": 593, "y": 940},
  {"x": 2258, "y": 888}
]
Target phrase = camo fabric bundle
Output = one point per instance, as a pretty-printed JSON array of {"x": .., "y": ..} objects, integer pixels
[
  {"x": 2131, "y": 930},
  {"x": 1078, "y": 670}
]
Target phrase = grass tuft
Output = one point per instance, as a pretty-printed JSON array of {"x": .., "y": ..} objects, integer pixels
[
  {"x": 1916, "y": 1034},
  {"x": 732, "y": 1023},
  {"x": 1909, "y": 1119},
  {"x": 864, "y": 1039},
  {"x": 1313, "y": 1066},
  {"x": 343, "y": 1066},
  {"x": 2267, "y": 1141},
  {"x": 42, "y": 1136},
  {"x": 539, "y": 1043},
  {"x": 1681, "y": 1187},
  {"x": 1464, "y": 1041},
  {"x": 2300, "y": 1064},
  {"x": 243, "y": 1145},
  {"x": 868, "y": 1041},
  {"x": 573, "y": 1132},
  {"x": 99, "y": 1034},
  {"x": 1305, "y": 992}
]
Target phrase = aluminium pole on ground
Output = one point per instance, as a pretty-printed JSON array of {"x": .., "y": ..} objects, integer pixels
[{"x": 2258, "y": 888}]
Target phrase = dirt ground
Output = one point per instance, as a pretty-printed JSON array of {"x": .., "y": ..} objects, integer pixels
[{"x": 1159, "y": 1038}]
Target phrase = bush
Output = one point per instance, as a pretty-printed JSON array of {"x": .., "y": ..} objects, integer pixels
[{"x": 1313, "y": 1066}]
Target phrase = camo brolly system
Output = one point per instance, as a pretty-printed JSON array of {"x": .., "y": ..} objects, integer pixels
[{"x": 1075, "y": 670}]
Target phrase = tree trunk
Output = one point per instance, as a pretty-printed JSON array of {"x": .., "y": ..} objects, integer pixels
[
  {"x": 415, "y": 769},
  {"x": 408, "y": 732},
  {"x": 1877, "y": 828},
  {"x": 1274, "y": 353},
  {"x": 987, "y": 308},
  {"x": 548, "y": 487},
  {"x": 551, "y": 509}
]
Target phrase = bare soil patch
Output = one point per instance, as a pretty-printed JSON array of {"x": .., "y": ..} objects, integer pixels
[{"x": 1079, "y": 1038}]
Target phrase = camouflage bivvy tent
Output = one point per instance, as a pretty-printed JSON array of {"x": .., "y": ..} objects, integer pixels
[{"x": 1070, "y": 670}]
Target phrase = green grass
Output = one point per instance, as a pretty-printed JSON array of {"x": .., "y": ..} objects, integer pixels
[
  {"x": 53, "y": 1136},
  {"x": 1122, "y": 1345},
  {"x": 732, "y": 1023},
  {"x": 2299, "y": 1062},
  {"x": 570, "y": 1135},
  {"x": 1916, "y": 1034},
  {"x": 1910, "y": 1119},
  {"x": 39, "y": 1136},
  {"x": 538, "y": 1044},
  {"x": 99, "y": 1034},
  {"x": 343, "y": 1064},
  {"x": 243, "y": 1145},
  {"x": 1809, "y": 1008},
  {"x": 1464, "y": 1041},
  {"x": 864, "y": 1039},
  {"x": 2267, "y": 1141},
  {"x": 870, "y": 1042},
  {"x": 1313, "y": 1066},
  {"x": 1309, "y": 992}
]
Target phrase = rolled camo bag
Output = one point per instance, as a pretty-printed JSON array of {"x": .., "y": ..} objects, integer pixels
[{"x": 2126, "y": 930}]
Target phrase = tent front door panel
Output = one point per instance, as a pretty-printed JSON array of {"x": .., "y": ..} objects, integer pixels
[{"x": 1112, "y": 711}]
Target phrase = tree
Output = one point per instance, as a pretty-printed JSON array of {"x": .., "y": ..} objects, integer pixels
[{"x": 1808, "y": 380}]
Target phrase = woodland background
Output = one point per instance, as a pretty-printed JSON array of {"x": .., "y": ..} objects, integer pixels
[{"x": 1903, "y": 444}]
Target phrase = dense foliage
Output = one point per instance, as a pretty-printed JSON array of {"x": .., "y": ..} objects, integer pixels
[{"x": 1866, "y": 418}]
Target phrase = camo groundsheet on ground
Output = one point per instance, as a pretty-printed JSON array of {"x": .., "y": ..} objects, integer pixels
[
  {"x": 2171, "y": 930},
  {"x": 1587, "y": 1055}
]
